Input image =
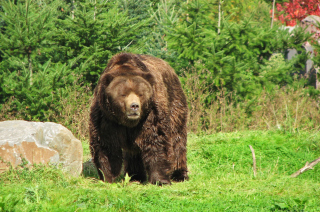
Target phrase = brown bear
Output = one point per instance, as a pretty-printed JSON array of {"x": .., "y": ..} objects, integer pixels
[{"x": 138, "y": 118}]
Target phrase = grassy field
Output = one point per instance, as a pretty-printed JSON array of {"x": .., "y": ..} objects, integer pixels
[{"x": 221, "y": 179}]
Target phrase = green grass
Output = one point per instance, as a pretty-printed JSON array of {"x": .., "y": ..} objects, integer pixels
[{"x": 221, "y": 179}]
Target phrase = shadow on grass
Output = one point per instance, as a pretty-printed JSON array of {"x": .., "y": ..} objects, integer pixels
[{"x": 89, "y": 170}]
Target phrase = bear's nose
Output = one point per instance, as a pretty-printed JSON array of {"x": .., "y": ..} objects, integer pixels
[{"x": 134, "y": 106}]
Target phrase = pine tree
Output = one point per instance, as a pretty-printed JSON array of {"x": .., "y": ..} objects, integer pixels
[
  {"x": 189, "y": 36},
  {"x": 29, "y": 78},
  {"x": 163, "y": 14},
  {"x": 27, "y": 32},
  {"x": 237, "y": 56},
  {"x": 97, "y": 31}
]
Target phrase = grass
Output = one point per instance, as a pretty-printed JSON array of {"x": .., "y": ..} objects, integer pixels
[{"x": 221, "y": 179}]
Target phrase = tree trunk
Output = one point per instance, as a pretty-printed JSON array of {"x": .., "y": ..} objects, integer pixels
[
  {"x": 219, "y": 20},
  {"x": 30, "y": 66},
  {"x": 317, "y": 78},
  {"x": 95, "y": 8},
  {"x": 72, "y": 10},
  {"x": 273, "y": 6}
]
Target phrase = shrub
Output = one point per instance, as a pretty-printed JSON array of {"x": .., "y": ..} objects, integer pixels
[
  {"x": 41, "y": 99},
  {"x": 238, "y": 57},
  {"x": 283, "y": 108}
]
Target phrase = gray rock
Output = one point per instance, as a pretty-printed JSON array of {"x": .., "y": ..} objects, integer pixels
[
  {"x": 310, "y": 24},
  {"x": 39, "y": 142}
]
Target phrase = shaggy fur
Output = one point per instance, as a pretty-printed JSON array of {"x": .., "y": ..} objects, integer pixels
[{"x": 138, "y": 118}]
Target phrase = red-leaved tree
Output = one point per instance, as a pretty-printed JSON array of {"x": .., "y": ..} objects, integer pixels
[{"x": 290, "y": 12}]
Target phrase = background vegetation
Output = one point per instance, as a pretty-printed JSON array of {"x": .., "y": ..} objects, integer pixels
[
  {"x": 236, "y": 77},
  {"x": 52, "y": 53}
]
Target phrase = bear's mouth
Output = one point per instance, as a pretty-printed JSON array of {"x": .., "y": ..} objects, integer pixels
[{"x": 133, "y": 116}]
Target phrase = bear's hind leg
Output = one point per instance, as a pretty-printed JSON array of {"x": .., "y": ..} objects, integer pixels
[
  {"x": 133, "y": 165},
  {"x": 179, "y": 175},
  {"x": 180, "y": 172}
]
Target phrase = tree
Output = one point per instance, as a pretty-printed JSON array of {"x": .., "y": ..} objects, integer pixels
[
  {"x": 237, "y": 57},
  {"x": 29, "y": 27},
  {"x": 162, "y": 14},
  {"x": 30, "y": 83},
  {"x": 190, "y": 35},
  {"x": 97, "y": 31}
]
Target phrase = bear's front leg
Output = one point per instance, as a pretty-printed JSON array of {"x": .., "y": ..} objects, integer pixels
[
  {"x": 156, "y": 163},
  {"x": 133, "y": 165},
  {"x": 108, "y": 164},
  {"x": 156, "y": 150},
  {"x": 105, "y": 147}
]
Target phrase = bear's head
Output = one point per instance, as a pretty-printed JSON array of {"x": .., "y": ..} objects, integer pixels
[{"x": 126, "y": 96}]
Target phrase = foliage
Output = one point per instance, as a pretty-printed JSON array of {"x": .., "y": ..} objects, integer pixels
[
  {"x": 221, "y": 178},
  {"x": 47, "y": 46},
  {"x": 316, "y": 45},
  {"x": 296, "y": 10},
  {"x": 237, "y": 57},
  {"x": 96, "y": 32},
  {"x": 63, "y": 45},
  {"x": 154, "y": 43},
  {"x": 237, "y": 10},
  {"x": 30, "y": 82},
  {"x": 290, "y": 109},
  {"x": 191, "y": 34},
  {"x": 41, "y": 100},
  {"x": 26, "y": 35}
]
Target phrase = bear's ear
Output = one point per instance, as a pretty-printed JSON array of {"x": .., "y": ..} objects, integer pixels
[
  {"x": 118, "y": 59},
  {"x": 149, "y": 77},
  {"x": 121, "y": 58},
  {"x": 106, "y": 79},
  {"x": 100, "y": 91},
  {"x": 140, "y": 64}
]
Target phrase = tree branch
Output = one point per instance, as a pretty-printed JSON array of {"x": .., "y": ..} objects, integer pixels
[
  {"x": 306, "y": 167},
  {"x": 254, "y": 161}
]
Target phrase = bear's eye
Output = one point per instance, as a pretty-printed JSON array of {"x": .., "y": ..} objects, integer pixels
[{"x": 123, "y": 95}]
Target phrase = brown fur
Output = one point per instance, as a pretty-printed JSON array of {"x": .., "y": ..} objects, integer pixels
[{"x": 138, "y": 117}]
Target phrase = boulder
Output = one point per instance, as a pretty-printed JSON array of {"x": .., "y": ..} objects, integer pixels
[
  {"x": 310, "y": 24},
  {"x": 39, "y": 142}
]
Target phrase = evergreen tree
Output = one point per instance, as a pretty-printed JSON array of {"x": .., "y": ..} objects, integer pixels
[
  {"x": 190, "y": 36},
  {"x": 29, "y": 82},
  {"x": 237, "y": 56},
  {"x": 29, "y": 26},
  {"x": 164, "y": 13},
  {"x": 96, "y": 32}
]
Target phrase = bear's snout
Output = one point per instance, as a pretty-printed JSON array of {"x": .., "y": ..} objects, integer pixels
[{"x": 133, "y": 106}]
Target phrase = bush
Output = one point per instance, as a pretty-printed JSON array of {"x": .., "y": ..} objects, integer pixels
[
  {"x": 284, "y": 108},
  {"x": 238, "y": 57},
  {"x": 39, "y": 100},
  {"x": 48, "y": 47},
  {"x": 95, "y": 33}
]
